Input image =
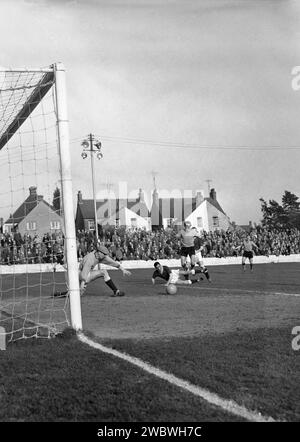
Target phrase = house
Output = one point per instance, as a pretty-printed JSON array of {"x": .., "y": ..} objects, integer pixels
[
  {"x": 204, "y": 213},
  {"x": 34, "y": 217},
  {"x": 112, "y": 211}
]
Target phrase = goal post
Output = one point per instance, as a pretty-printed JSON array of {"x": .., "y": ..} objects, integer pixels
[
  {"x": 35, "y": 155},
  {"x": 67, "y": 193}
]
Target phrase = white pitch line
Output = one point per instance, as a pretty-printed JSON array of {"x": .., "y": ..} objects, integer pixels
[
  {"x": 257, "y": 292},
  {"x": 212, "y": 398}
]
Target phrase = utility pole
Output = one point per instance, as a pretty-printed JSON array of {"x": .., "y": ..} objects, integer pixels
[
  {"x": 92, "y": 146},
  {"x": 154, "y": 174}
]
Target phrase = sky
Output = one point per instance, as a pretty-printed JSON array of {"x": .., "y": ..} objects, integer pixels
[{"x": 196, "y": 93}]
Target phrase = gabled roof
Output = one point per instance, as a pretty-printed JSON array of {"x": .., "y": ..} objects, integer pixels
[
  {"x": 246, "y": 227},
  {"x": 215, "y": 204},
  {"x": 26, "y": 207},
  {"x": 86, "y": 206},
  {"x": 174, "y": 207},
  {"x": 179, "y": 207}
]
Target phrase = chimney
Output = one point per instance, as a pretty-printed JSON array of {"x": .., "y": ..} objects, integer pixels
[
  {"x": 199, "y": 198},
  {"x": 213, "y": 194},
  {"x": 141, "y": 196},
  {"x": 79, "y": 197},
  {"x": 32, "y": 190}
]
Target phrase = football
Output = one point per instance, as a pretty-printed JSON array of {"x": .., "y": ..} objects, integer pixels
[{"x": 171, "y": 289}]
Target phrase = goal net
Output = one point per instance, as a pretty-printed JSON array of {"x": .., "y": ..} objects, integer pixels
[{"x": 39, "y": 289}]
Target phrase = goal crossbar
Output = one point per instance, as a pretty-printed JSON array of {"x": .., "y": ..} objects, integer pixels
[{"x": 34, "y": 99}]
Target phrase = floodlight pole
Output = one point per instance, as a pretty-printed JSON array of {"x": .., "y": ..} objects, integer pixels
[
  {"x": 89, "y": 146},
  {"x": 93, "y": 181}
]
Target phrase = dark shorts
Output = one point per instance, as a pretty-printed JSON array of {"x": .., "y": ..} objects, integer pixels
[
  {"x": 248, "y": 255},
  {"x": 187, "y": 251}
]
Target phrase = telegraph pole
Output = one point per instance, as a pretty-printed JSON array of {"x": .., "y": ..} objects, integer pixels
[{"x": 92, "y": 146}]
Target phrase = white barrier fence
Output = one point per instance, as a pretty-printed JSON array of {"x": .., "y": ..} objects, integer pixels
[{"x": 139, "y": 264}]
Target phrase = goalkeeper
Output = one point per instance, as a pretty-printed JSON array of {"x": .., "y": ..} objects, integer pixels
[{"x": 89, "y": 270}]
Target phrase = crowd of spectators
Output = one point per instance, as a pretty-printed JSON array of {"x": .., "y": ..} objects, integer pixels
[
  {"x": 139, "y": 244},
  {"x": 26, "y": 249},
  {"x": 136, "y": 244}
]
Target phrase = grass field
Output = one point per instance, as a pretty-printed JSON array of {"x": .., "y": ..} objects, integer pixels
[{"x": 231, "y": 338}]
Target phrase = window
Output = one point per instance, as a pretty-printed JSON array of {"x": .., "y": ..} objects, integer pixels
[
  {"x": 31, "y": 225},
  {"x": 133, "y": 222},
  {"x": 215, "y": 221},
  {"x": 91, "y": 224},
  {"x": 54, "y": 225},
  {"x": 200, "y": 222},
  {"x": 170, "y": 222}
]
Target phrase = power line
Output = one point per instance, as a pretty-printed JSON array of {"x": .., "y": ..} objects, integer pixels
[{"x": 166, "y": 144}]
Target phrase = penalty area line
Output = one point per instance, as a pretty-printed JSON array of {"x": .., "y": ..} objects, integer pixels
[
  {"x": 253, "y": 292},
  {"x": 228, "y": 406}
]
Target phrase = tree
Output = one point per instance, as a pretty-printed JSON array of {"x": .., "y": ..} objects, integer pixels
[
  {"x": 291, "y": 206},
  {"x": 273, "y": 214},
  {"x": 56, "y": 201},
  {"x": 281, "y": 217},
  {"x": 290, "y": 201}
]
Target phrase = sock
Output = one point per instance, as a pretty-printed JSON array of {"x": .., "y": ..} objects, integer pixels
[
  {"x": 111, "y": 285},
  {"x": 185, "y": 268},
  {"x": 206, "y": 273}
]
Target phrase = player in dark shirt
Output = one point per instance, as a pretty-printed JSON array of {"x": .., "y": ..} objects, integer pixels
[
  {"x": 172, "y": 276},
  {"x": 198, "y": 243}
]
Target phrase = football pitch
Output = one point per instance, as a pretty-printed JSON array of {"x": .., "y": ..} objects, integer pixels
[{"x": 231, "y": 338}]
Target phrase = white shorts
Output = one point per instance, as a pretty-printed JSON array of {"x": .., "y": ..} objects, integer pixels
[
  {"x": 199, "y": 257},
  {"x": 174, "y": 276}
]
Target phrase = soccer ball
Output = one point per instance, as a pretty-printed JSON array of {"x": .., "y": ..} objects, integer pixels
[{"x": 171, "y": 289}]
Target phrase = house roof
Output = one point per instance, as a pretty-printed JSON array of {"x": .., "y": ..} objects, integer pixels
[
  {"x": 246, "y": 227},
  {"x": 26, "y": 207},
  {"x": 86, "y": 206},
  {"x": 180, "y": 207},
  {"x": 174, "y": 207},
  {"x": 215, "y": 204}
]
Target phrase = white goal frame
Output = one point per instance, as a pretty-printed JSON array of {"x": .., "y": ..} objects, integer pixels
[{"x": 56, "y": 74}]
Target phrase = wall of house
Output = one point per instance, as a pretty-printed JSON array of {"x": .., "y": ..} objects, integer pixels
[
  {"x": 224, "y": 222},
  {"x": 207, "y": 211},
  {"x": 141, "y": 223},
  {"x": 86, "y": 224},
  {"x": 200, "y": 212},
  {"x": 42, "y": 215}
]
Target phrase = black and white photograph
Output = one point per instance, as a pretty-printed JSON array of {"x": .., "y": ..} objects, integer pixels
[{"x": 150, "y": 216}]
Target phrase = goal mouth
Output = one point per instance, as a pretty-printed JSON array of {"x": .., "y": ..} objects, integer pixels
[{"x": 37, "y": 231}]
